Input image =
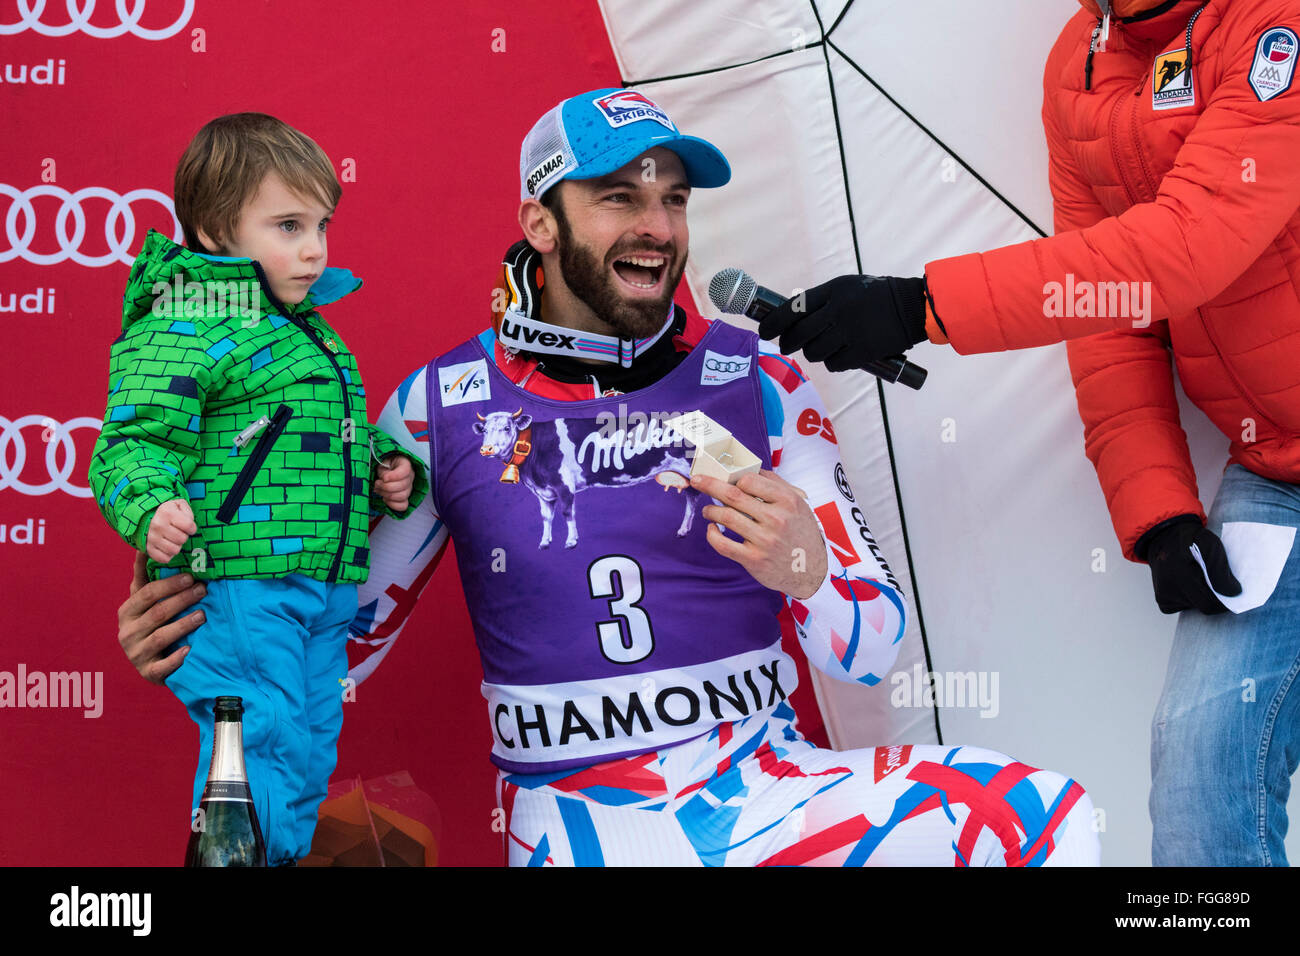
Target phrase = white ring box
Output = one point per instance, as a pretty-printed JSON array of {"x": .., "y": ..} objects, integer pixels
[{"x": 717, "y": 453}]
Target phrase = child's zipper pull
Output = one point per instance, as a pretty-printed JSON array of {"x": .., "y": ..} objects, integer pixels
[{"x": 247, "y": 435}]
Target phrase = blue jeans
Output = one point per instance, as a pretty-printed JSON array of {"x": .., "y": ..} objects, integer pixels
[
  {"x": 1225, "y": 739},
  {"x": 281, "y": 645}
]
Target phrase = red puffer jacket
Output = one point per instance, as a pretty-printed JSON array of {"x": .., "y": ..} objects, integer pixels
[{"x": 1192, "y": 189}]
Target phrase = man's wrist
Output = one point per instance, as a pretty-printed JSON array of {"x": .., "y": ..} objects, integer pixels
[
  {"x": 829, "y": 558},
  {"x": 812, "y": 589}
]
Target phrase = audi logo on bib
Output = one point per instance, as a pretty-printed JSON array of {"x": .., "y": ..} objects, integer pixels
[
  {"x": 55, "y": 437},
  {"x": 68, "y": 222},
  {"x": 720, "y": 369},
  {"x": 32, "y": 16},
  {"x": 715, "y": 366}
]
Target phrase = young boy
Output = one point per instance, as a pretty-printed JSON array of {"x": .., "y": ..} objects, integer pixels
[{"x": 236, "y": 447}]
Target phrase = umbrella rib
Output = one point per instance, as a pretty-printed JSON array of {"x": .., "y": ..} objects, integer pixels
[
  {"x": 944, "y": 146},
  {"x": 827, "y": 34},
  {"x": 720, "y": 69},
  {"x": 880, "y": 387}
]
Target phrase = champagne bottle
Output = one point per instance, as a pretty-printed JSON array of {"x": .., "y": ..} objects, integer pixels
[{"x": 226, "y": 831}]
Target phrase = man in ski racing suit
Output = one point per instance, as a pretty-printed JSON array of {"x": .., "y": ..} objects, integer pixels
[{"x": 644, "y": 717}]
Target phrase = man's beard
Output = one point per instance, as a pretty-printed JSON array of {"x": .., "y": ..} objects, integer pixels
[{"x": 588, "y": 278}]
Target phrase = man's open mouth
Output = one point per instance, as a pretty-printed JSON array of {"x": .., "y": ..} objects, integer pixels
[{"x": 641, "y": 271}]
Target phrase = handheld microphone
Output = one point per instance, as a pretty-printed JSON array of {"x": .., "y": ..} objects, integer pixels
[{"x": 735, "y": 292}]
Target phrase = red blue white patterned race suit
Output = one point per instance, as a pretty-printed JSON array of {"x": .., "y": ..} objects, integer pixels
[{"x": 635, "y": 680}]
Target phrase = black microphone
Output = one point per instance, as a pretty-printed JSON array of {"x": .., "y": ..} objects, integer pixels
[{"x": 735, "y": 292}]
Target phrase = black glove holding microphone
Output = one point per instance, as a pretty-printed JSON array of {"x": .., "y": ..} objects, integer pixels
[
  {"x": 851, "y": 320},
  {"x": 1178, "y": 580}
]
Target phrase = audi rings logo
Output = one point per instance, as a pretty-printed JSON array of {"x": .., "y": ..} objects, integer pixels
[
  {"x": 129, "y": 13},
  {"x": 713, "y": 365},
  {"x": 70, "y": 224},
  {"x": 55, "y": 437},
  {"x": 720, "y": 369}
]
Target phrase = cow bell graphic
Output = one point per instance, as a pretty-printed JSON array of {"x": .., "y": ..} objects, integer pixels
[{"x": 523, "y": 445}]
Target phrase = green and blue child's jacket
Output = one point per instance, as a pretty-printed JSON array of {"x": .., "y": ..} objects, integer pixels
[{"x": 251, "y": 410}]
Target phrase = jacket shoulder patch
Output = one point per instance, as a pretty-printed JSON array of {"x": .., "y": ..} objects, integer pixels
[{"x": 1274, "y": 65}]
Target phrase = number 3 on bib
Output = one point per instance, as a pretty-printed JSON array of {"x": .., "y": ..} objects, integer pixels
[{"x": 622, "y": 597}]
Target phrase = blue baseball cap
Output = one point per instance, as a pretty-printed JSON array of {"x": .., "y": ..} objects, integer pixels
[{"x": 595, "y": 133}]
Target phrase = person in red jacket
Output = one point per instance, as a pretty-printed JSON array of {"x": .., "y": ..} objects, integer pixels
[{"x": 1173, "y": 129}]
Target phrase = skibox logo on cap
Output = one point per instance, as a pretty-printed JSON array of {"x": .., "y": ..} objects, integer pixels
[{"x": 629, "y": 106}]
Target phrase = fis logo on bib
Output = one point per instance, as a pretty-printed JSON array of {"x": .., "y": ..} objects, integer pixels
[
  {"x": 1274, "y": 66},
  {"x": 466, "y": 382},
  {"x": 1171, "y": 84},
  {"x": 720, "y": 369},
  {"x": 629, "y": 106}
]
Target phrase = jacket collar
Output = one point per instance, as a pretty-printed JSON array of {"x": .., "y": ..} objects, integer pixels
[
  {"x": 163, "y": 261},
  {"x": 334, "y": 283},
  {"x": 1160, "y": 22}
]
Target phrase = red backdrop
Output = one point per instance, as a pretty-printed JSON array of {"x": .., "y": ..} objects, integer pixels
[{"x": 431, "y": 116}]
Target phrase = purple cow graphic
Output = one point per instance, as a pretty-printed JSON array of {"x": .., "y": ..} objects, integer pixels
[{"x": 557, "y": 459}]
